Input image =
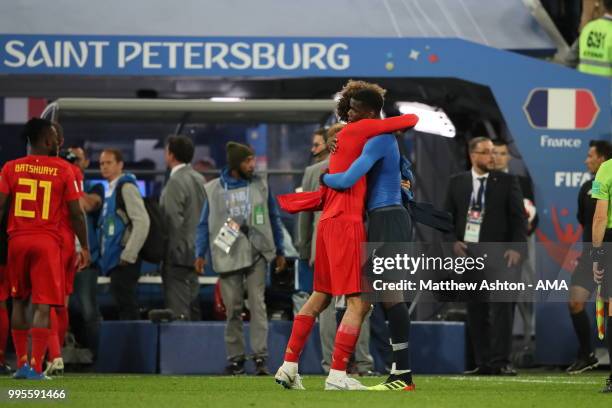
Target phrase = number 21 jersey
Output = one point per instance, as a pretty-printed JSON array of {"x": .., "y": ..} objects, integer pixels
[{"x": 38, "y": 186}]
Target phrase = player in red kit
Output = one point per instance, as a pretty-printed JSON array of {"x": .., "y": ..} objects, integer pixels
[
  {"x": 59, "y": 315},
  {"x": 37, "y": 186},
  {"x": 340, "y": 234}
]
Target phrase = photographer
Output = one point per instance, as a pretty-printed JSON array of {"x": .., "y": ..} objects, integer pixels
[{"x": 240, "y": 224}]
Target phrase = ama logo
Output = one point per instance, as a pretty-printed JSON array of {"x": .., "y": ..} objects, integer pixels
[{"x": 562, "y": 251}]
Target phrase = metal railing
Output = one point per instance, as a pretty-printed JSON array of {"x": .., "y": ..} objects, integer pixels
[
  {"x": 157, "y": 280},
  {"x": 142, "y": 172}
]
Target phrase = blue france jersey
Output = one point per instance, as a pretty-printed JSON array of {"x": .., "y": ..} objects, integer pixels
[{"x": 380, "y": 160}]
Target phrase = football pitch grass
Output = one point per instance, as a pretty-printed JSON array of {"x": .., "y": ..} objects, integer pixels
[{"x": 529, "y": 390}]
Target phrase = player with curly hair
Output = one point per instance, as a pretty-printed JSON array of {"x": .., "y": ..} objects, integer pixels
[
  {"x": 343, "y": 104},
  {"x": 340, "y": 234}
]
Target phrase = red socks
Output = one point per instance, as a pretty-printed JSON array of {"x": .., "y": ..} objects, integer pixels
[
  {"x": 4, "y": 331},
  {"x": 20, "y": 340},
  {"x": 302, "y": 325},
  {"x": 54, "y": 340},
  {"x": 62, "y": 323},
  {"x": 40, "y": 338},
  {"x": 346, "y": 339}
]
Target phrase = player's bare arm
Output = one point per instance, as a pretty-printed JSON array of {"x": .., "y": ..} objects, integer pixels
[
  {"x": 77, "y": 219},
  {"x": 600, "y": 220},
  {"x": 91, "y": 202}
]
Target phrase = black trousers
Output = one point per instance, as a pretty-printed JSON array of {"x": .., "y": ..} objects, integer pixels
[
  {"x": 490, "y": 330},
  {"x": 85, "y": 301},
  {"x": 490, "y": 313},
  {"x": 123, "y": 287}
]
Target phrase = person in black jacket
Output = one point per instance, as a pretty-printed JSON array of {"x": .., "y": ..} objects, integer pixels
[
  {"x": 502, "y": 158},
  {"x": 524, "y": 304},
  {"x": 487, "y": 207},
  {"x": 582, "y": 285}
]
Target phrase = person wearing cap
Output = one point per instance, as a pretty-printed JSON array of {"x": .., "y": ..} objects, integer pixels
[{"x": 241, "y": 228}]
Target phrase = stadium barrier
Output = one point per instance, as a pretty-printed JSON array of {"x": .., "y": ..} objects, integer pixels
[
  {"x": 438, "y": 347},
  {"x": 198, "y": 347},
  {"x": 556, "y": 342},
  {"x": 128, "y": 347}
]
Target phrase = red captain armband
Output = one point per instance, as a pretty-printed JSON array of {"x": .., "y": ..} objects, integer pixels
[{"x": 305, "y": 201}]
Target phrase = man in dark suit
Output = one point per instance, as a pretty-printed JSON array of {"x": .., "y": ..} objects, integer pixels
[
  {"x": 487, "y": 207},
  {"x": 524, "y": 305},
  {"x": 502, "y": 157}
]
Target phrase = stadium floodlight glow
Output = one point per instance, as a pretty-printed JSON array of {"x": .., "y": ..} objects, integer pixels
[
  {"x": 432, "y": 119},
  {"x": 226, "y": 99}
]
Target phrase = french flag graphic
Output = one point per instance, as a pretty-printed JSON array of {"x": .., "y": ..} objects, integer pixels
[
  {"x": 561, "y": 108},
  {"x": 20, "y": 110}
]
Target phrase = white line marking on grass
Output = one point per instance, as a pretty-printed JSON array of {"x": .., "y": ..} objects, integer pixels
[
  {"x": 166, "y": 376},
  {"x": 523, "y": 380}
]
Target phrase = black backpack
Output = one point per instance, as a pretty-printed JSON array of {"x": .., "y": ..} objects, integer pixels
[{"x": 154, "y": 248}]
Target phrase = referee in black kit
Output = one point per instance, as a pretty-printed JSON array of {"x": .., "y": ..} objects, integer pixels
[{"x": 582, "y": 285}]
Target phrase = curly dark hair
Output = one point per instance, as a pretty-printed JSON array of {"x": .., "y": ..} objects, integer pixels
[{"x": 349, "y": 90}]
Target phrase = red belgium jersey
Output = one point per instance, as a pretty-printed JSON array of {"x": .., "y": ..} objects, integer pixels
[
  {"x": 39, "y": 187},
  {"x": 350, "y": 203},
  {"x": 65, "y": 225}
]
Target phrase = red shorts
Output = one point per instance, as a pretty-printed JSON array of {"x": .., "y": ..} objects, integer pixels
[
  {"x": 35, "y": 269},
  {"x": 5, "y": 287},
  {"x": 69, "y": 260},
  {"x": 338, "y": 256}
]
